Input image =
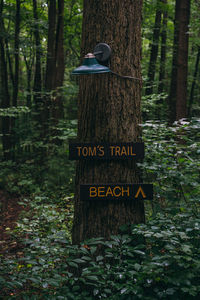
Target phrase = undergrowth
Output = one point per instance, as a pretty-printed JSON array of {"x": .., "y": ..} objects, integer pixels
[{"x": 157, "y": 260}]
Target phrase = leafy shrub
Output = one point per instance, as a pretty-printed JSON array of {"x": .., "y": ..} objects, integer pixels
[
  {"x": 165, "y": 263},
  {"x": 158, "y": 260},
  {"x": 32, "y": 172},
  {"x": 172, "y": 162}
]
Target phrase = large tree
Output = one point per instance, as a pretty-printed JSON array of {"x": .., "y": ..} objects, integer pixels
[
  {"x": 178, "y": 88},
  {"x": 109, "y": 111}
]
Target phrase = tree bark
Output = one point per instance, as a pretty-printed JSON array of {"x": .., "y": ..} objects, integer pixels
[
  {"x": 163, "y": 36},
  {"x": 194, "y": 83},
  {"x": 50, "y": 68},
  {"x": 16, "y": 47},
  {"x": 5, "y": 96},
  {"x": 178, "y": 88},
  {"x": 57, "y": 107},
  {"x": 154, "y": 51},
  {"x": 59, "y": 47},
  {"x": 109, "y": 111},
  {"x": 51, "y": 62},
  {"x": 37, "y": 87},
  {"x": 163, "y": 49},
  {"x": 29, "y": 66}
]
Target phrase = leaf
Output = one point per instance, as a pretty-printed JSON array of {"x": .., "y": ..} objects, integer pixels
[
  {"x": 123, "y": 290},
  {"x": 45, "y": 285},
  {"x": 95, "y": 292},
  {"x": 139, "y": 252},
  {"x": 92, "y": 277},
  {"x": 93, "y": 250},
  {"x": 99, "y": 258},
  {"x": 78, "y": 260},
  {"x": 76, "y": 288},
  {"x": 72, "y": 264},
  {"x": 170, "y": 291},
  {"x": 34, "y": 280},
  {"x": 86, "y": 258},
  {"x": 108, "y": 291},
  {"x": 137, "y": 267},
  {"x": 186, "y": 248}
]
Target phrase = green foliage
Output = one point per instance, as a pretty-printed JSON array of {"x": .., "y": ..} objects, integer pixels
[
  {"x": 164, "y": 264},
  {"x": 33, "y": 171},
  {"x": 73, "y": 27},
  {"x": 156, "y": 260},
  {"x": 172, "y": 163},
  {"x": 13, "y": 111},
  {"x": 17, "y": 179},
  {"x": 154, "y": 104}
]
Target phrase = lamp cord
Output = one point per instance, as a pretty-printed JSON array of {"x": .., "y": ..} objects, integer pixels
[{"x": 128, "y": 77}]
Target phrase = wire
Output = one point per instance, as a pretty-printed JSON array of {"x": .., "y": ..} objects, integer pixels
[{"x": 128, "y": 77}]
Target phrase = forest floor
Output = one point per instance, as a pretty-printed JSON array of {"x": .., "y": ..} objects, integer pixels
[{"x": 9, "y": 213}]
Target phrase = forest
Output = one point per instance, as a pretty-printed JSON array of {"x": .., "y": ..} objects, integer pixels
[{"x": 53, "y": 245}]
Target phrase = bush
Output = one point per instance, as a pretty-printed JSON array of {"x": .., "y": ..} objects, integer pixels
[
  {"x": 163, "y": 264},
  {"x": 157, "y": 260}
]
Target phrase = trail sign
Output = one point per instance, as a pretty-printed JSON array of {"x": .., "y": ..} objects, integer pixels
[
  {"x": 118, "y": 191},
  {"x": 106, "y": 151}
]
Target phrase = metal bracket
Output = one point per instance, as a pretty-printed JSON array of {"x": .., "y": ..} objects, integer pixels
[{"x": 102, "y": 52}]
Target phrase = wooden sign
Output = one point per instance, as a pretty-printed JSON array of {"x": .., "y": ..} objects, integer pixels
[
  {"x": 106, "y": 151},
  {"x": 116, "y": 191}
]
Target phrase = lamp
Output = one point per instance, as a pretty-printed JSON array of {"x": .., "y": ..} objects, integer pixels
[
  {"x": 91, "y": 63},
  {"x": 90, "y": 66}
]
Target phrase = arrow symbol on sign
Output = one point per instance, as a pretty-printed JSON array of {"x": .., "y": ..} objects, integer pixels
[{"x": 140, "y": 190}]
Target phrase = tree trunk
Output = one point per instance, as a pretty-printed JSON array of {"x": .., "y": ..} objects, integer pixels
[
  {"x": 178, "y": 88},
  {"x": 29, "y": 66},
  {"x": 109, "y": 111},
  {"x": 194, "y": 83},
  {"x": 50, "y": 69},
  {"x": 163, "y": 36},
  {"x": 154, "y": 51},
  {"x": 37, "y": 87},
  {"x": 5, "y": 96},
  {"x": 51, "y": 62},
  {"x": 14, "y": 137},
  {"x": 163, "y": 49},
  {"x": 59, "y": 47},
  {"x": 9, "y": 60},
  {"x": 16, "y": 47},
  {"x": 57, "y": 107}
]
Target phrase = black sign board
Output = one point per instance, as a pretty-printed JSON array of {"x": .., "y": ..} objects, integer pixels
[
  {"x": 106, "y": 151},
  {"x": 118, "y": 191}
]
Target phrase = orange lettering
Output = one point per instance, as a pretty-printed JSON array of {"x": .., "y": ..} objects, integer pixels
[
  {"x": 79, "y": 150},
  {"x": 123, "y": 152},
  {"x": 132, "y": 151},
  {"x": 140, "y": 190},
  {"x": 125, "y": 191},
  {"x": 117, "y": 150},
  {"x": 117, "y": 195},
  {"x": 85, "y": 151},
  {"x": 101, "y": 149},
  {"x": 112, "y": 148},
  {"x": 92, "y": 152},
  {"x": 93, "y": 191},
  {"x": 101, "y": 191},
  {"x": 109, "y": 192}
]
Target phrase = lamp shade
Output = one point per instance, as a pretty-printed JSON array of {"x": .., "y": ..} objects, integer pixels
[{"x": 90, "y": 66}]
